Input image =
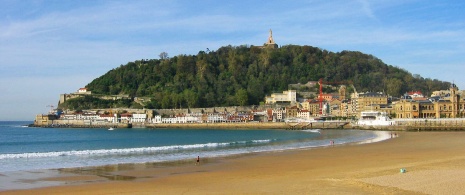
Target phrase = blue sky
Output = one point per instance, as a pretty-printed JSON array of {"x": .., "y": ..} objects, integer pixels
[{"x": 50, "y": 47}]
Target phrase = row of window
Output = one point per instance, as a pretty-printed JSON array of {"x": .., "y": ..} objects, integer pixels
[{"x": 431, "y": 107}]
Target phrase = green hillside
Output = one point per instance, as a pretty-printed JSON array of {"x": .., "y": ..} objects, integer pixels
[{"x": 244, "y": 75}]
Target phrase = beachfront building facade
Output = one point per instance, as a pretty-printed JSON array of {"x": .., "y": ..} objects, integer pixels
[
  {"x": 305, "y": 114},
  {"x": 451, "y": 107},
  {"x": 139, "y": 118},
  {"x": 369, "y": 101},
  {"x": 335, "y": 107},
  {"x": 348, "y": 109},
  {"x": 313, "y": 106},
  {"x": 291, "y": 112}
]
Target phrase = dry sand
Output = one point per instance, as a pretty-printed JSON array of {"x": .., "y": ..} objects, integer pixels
[{"x": 434, "y": 162}]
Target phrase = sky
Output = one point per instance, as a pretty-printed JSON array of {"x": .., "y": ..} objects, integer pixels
[{"x": 52, "y": 47}]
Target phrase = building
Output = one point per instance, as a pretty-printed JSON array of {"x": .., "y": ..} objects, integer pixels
[
  {"x": 83, "y": 91},
  {"x": 313, "y": 106},
  {"x": 289, "y": 96},
  {"x": 451, "y": 106},
  {"x": 347, "y": 109},
  {"x": 303, "y": 114},
  {"x": 369, "y": 101},
  {"x": 335, "y": 107},
  {"x": 415, "y": 94},
  {"x": 292, "y": 112},
  {"x": 279, "y": 114},
  {"x": 138, "y": 118}
]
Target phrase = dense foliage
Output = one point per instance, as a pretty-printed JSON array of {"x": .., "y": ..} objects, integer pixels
[
  {"x": 245, "y": 75},
  {"x": 91, "y": 102}
]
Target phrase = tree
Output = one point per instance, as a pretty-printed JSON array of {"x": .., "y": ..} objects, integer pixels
[
  {"x": 242, "y": 97},
  {"x": 190, "y": 97},
  {"x": 163, "y": 56},
  {"x": 394, "y": 87},
  {"x": 217, "y": 77}
]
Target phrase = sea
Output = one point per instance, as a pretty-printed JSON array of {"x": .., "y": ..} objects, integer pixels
[{"x": 25, "y": 148}]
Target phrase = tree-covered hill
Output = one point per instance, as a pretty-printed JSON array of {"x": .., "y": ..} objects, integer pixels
[{"x": 244, "y": 75}]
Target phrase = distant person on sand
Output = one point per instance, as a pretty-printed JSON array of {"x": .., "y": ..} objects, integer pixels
[{"x": 198, "y": 160}]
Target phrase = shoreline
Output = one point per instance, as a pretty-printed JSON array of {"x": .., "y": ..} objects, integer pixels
[
  {"x": 413, "y": 125},
  {"x": 433, "y": 161},
  {"x": 251, "y": 125},
  {"x": 41, "y": 177}
]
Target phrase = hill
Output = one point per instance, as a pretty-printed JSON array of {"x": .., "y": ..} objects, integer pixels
[{"x": 244, "y": 75}]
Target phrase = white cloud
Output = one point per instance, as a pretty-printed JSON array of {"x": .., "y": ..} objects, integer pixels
[{"x": 88, "y": 39}]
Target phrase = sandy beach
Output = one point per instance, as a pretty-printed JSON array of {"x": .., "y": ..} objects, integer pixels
[{"x": 433, "y": 162}]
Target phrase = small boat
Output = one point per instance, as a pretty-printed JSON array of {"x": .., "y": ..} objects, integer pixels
[{"x": 111, "y": 129}]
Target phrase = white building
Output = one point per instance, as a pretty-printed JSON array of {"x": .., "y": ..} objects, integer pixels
[
  {"x": 279, "y": 114},
  {"x": 289, "y": 96},
  {"x": 216, "y": 118},
  {"x": 87, "y": 116},
  {"x": 108, "y": 118},
  {"x": 138, "y": 118},
  {"x": 157, "y": 119},
  {"x": 305, "y": 114},
  {"x": 83, "y": 91},
  {"x": 68, "y": 116},
  {"x": 169, "y": 120}
]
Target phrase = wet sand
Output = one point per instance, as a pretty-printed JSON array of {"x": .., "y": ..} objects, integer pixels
[{"x": 433, "y": 162}]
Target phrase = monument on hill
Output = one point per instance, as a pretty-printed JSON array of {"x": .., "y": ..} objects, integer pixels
[{"x": 270, "y": 43}]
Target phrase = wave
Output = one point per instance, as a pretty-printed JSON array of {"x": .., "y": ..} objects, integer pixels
[
  {"x": 129, "y": 150},
  {"x": 312, "y": 130}
]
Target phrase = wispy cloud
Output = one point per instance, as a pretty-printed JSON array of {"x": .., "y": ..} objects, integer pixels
[{"x": 69, "y": 39}]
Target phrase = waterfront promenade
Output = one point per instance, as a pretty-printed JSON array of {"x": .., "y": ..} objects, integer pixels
[
  {"x": 253, "y": 125},
  {"x": 457, "y": 124},
  {"x": 446, "y": 124}
]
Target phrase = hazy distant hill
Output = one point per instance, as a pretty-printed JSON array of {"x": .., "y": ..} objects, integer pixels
[{"x": 244, "y": 75}]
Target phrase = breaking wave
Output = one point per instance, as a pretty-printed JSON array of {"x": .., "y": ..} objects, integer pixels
[{"x": 142, "y": 150}]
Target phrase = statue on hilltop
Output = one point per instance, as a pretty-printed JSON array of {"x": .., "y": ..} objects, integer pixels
[{"x": 270, "y": 43}]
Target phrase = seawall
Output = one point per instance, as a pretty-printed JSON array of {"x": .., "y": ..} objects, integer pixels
[
  {"x": 81, "y": 124},
  {"x": 250, "y": 125},
  {"x": 451, "y": 124}
]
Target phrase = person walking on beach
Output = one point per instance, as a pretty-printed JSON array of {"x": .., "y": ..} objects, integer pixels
[{"x": 198, "y": 160}]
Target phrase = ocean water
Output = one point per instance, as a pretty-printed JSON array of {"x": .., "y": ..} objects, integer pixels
[{"x": 27, "y": 149}]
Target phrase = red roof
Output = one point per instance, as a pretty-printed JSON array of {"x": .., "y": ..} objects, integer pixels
[{"x": 414, "y": 92}]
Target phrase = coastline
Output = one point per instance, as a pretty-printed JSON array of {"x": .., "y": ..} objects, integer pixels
[
  {"x": 250, "y": 125},
  {"x": 432, "y": 159}
]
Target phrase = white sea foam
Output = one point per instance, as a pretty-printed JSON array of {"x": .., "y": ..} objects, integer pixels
[
  {"x": 380, "y": 136},
  {"x": 125, "y": 150},
  {"x": 83, "y": 158},
  {"x": 312, "y": 130}
]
